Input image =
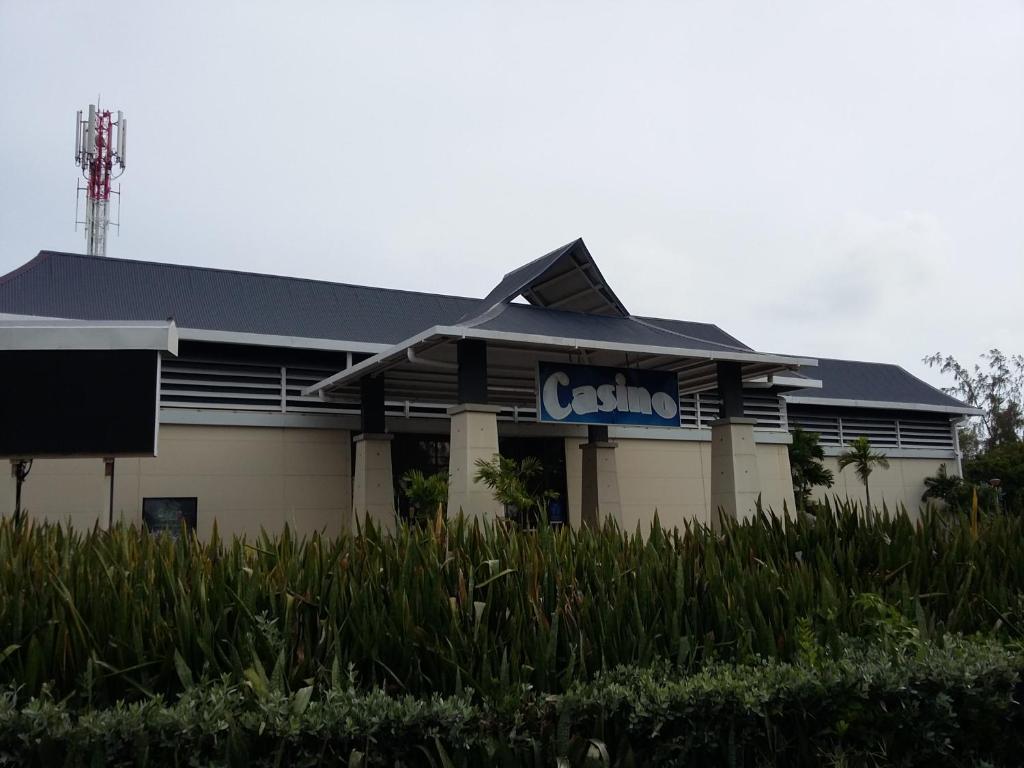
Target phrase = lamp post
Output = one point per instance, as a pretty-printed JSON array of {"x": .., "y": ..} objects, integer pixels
[{"x": 20, "y": 469}]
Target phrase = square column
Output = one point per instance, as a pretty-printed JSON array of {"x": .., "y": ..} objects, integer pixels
[
  {"x": 600, "y": 498},
  {"x": 735, "y": 484},
  {"x": 373, "y": 490},
  {"x": 474, "y": 435},
  {"x": 106, "y": 515}
]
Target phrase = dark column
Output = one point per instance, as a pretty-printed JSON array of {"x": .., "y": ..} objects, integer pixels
[
  {"x": 597, "y": 433},
  {"x": 472, "y": 355},
  {"x": 371, "y": 405},
  {"x": 373, "y": 489},
  {"x": 730, "y": 389}
]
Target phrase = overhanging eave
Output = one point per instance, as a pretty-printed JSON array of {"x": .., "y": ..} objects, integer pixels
[{"x": 430, "y": 355}]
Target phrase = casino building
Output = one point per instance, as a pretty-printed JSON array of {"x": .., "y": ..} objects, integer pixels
[{"x": 282, "y": 400}]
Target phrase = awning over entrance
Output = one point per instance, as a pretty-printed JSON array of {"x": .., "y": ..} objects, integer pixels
[
  {"x": 567, "y": 278},
  {"x": 574, "y": 316},
  {"x": 425, "y": 367}
]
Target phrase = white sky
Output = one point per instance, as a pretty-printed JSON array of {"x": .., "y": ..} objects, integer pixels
[{"x": 841, "y": 179}]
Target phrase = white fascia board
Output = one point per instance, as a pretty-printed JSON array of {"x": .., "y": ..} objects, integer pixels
[
  {"x": 272, "y": 340},
  {"x": 761, "y": 436},
  {"x": 794, "y": 381},
  {"x": 28, "y": 334},
  {"x": 962, "y": 410},
  {"x": 615, "y": 346},
  {"x": 833, "y": 451},
  {"x": 238, "y": 337},
  {"x": 465, "y": 332},
  {"x": 393, "y": 353},
  {"x": 225, "y": 418}
]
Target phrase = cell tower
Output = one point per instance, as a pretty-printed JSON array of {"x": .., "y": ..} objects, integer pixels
[{"x": 97, "y": 154}]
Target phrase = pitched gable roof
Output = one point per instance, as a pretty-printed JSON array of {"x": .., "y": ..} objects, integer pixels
[
  {"x": 878, "y": 385},
  {"x": 66, "y": 285}
]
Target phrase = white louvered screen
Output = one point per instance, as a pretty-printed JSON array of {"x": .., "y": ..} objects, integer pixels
[
  {"x": 208, "y": 385},
  {"x": 202, "y": 384},
  {"x": 697, "y": 411},
  {"x": 839, "y": 428},
  {"x": 827, "y": 426},
  {"x": 296, "y": 379}
]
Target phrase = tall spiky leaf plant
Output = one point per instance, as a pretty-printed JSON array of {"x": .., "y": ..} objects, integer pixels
[{"x": 863, "y": 460}]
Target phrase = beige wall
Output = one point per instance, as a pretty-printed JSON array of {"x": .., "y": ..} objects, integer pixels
[
  {"x": 674, "y": 478},
  {"x": 244, "y": 477},
  {"x": 59, "y": 490},
  {"x": 902, "y": 483}
]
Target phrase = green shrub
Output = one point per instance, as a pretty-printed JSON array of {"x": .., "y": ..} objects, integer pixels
[
  {"x": 949, "y": 703},
  {"x": 119, "y": 614},
  {"x": 427, "y": 494}
]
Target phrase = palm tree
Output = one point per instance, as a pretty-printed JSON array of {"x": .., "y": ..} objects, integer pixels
[
  {"x": 864, "y": 460},
  {"x": 806, "y": 457}
]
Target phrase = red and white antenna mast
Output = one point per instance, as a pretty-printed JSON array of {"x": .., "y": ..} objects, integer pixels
[{"x": 101, "y": 159}]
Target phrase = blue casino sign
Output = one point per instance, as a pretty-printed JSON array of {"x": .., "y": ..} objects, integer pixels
[{"x": 591, "y": 394}]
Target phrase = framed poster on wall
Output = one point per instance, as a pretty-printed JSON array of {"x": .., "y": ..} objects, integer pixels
[{"x": 167, "y": 514}]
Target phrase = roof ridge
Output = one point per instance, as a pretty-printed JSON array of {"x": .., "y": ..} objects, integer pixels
[
  {"x": 933, "y": 387},
  {"x": 676, "y": 320},
  {"x": 649, "y": 324},
  {"x": 237, "y": 272},
  {"x": 28, "y": 266}
]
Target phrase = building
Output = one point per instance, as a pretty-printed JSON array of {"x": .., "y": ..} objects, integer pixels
[{"x": 302, "y": 401}]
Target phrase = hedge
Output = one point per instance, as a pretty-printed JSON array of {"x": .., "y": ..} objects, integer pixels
[
  {"x": 118, "y": 615},
  {"x": 891, "y": 702}
]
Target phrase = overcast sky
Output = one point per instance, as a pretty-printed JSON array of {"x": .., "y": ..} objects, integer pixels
[{"x": 840, "y": 179}]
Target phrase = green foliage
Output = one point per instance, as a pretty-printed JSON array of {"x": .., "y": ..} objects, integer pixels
[
  {"x": 121, "y": 614},
  {"x": 901, "y": 701},
  {"x": 942, "y": 487},
  {"x": 1005, "y": 462},
  {"x": 426, "y": 493},
  {"x": 863, "y": 460},
  {"x": 514, "y": 483},
  {"x": 805, "y": 461},
  {"x": 997, "y": 388}
]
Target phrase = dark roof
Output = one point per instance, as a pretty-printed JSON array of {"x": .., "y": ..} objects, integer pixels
[
  {"x": 75, "y": 286},
  {"x": 522, "y": 318},
  {"x": 707, "y": 331},
  {"x": 566, "y": 278},
  {"x": 81, "y": 287},
  {"x": 871, "y": 382}
]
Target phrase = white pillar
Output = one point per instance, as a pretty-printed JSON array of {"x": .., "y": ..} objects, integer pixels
[
  {"x": 474, "y": 435},
  {"x": 600, "y": 498},
  {"x": 735, "y": 484},
  {"x": 373, "y": 489}
]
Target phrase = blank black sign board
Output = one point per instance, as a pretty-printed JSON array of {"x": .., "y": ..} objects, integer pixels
[{"x": 63, "y": 403}]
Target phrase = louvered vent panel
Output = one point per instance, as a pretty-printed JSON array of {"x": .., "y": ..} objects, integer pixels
[
  {"x": 827, "y": 427},
  {"x": 881, "y": 432},
  {"x": 919, "y": 433},
  {"x": 297, "y": 379},
  {"x": 839, "y": 428},
  {"x": 202, "y": 384},
  {"x": 699, "y": 410}
]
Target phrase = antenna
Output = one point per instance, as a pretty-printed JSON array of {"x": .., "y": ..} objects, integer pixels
[{"x": 101, "y": 160}]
